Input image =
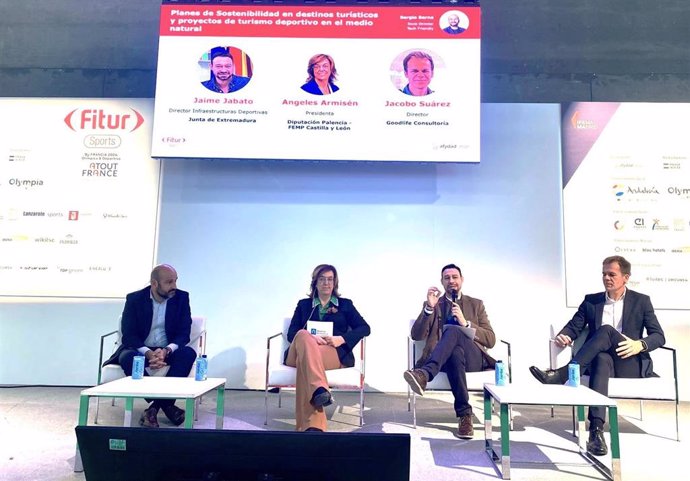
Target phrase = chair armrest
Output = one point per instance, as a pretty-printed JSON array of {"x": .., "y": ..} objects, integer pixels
[
  {"x": 510, "y": 359},
  {"x": 268, "y": 352},
  {"x": 199, "y": 340},
  {"x": 556, "y": 357},
  {"x": 362, "y": 354},
  {"x": 268, "y": 340},
  {"x": 410, "y": 353},
  {"x": 100, "y": 355},
  {"x": 675, "y": 367}
]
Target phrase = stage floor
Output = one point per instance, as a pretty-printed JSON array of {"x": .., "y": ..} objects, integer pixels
[{"x": 37, "y": 438}]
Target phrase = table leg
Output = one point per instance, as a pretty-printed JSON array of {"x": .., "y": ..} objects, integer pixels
[
  {"x": 615, "y": 445},
  {"x": 189, "y": 415},
  {"x": 82, "y": 421},
  {"x": 129, "y": 406},
  {"x": 581, "y": 427},
  {"x": 613, "y": 474},
  {"x": 220, "y": 406},
  {"x": 504, "y": 469},
  {"x": 488, "y": 441},
  {"x": 505, "y": 441}
]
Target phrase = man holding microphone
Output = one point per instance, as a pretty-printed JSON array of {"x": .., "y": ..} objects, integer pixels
[{"x": 457, "y": 333}]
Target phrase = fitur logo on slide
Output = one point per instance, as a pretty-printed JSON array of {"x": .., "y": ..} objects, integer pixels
[{"x": 100, "y": 119}]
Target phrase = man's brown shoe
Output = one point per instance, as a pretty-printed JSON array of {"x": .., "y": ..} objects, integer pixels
[
  {"x": 465, "y": 427},
  {"x": 417, "y": 379},
  {"x": 175, "y": 414},
  {"x": 149, "y": 418}
]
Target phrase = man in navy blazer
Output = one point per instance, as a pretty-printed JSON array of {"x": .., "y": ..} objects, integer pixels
[
  {"x": 156, "y": 323},
  {"x": 615, "y": 346}
]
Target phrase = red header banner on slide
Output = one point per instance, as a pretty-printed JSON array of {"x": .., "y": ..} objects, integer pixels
[{"x": 313, "y": 22}]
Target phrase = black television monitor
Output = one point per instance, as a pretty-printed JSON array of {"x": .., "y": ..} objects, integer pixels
[
  {"x": 379, "y": 80},
  {"x": 136, "y": 454}
]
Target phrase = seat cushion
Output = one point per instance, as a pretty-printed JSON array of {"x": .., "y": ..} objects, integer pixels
[
  {"x": 113, "y": 372},
  {"x": 651, "y": 388},
  {"x": 475, "y": 381},
  {"x": 281, "y": 375}
]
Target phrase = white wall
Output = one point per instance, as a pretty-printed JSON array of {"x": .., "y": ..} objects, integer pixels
[{"x": 245, "y": 236}]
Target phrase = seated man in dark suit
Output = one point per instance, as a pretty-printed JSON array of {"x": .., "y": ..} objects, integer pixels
[
  {"x": 615, "y": 346},
  {"x": 156, "y": 323}
]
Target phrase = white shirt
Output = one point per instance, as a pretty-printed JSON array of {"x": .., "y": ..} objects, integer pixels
[
  {"x": 157, "y": 336},
  {"x": 613, "y": 312}
]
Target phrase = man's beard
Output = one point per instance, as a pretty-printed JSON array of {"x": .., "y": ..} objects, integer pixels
[{"x": 167, "y": 295}]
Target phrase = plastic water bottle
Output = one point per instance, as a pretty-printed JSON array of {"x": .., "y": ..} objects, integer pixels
[
  {"x": 201, "y": 368},
  {"x": 138, "y": 367},
  {"x": 500, "y": 374},
  {"x": 574, "y": 374}
]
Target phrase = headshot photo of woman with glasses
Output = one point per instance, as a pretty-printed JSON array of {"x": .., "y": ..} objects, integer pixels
[
  {"x": 314, "y": 354},
  {"x": 321, "y": 75}
]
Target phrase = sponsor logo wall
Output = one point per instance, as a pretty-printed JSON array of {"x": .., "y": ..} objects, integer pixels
[
  {"x": 78, "y": 196},
  {"x": 626, "y": 178}
]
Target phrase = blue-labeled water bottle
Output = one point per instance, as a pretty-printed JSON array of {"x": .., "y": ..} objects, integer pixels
[
  {"x": 500, "y": 374},
  {"x": 574, "y": 374},
  {"x": 201, "y": 368},
  {"x": 138, "y": 367}
]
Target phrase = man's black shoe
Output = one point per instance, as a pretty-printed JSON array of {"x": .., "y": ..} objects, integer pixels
[
  {"x": 550, "y": 376},
  {"x": 596, "y": 444}
]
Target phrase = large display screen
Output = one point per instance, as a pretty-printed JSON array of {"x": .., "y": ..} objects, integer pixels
[{"x": 318, "y": 82}]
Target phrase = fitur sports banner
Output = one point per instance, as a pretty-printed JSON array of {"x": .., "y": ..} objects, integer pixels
[
  {"x": 371, "y": 107},
  {"x": 626, "y": 191},
  {"x": 78, "y": 197}
]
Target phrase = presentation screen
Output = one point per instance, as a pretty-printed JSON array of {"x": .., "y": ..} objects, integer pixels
[{"x": 338, "y": 81}]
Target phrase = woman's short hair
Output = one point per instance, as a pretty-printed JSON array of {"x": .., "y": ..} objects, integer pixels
[
  {"x": 318, "y": 271},
  {"x": 316, "y": 59}
]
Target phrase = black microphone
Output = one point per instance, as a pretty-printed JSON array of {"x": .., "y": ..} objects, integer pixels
[
  {"x": 454, "y": 297},
  {"x": 309, "y": 317}
]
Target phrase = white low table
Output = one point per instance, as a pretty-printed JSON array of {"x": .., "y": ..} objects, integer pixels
[
  {"x": 152, "y": 387},
  {"x": 548, "y": 395}
]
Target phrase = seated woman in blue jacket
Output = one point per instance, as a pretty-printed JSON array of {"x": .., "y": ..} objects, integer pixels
[{"x": 312, "y": 354}]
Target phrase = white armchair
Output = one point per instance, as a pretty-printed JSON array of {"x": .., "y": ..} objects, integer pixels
[
  {"x": 279, "y": 376},
  {"x": 475, "y": 380},
  {"x": 662, "y": 388},
  {"x": 112, "y": 372}
]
